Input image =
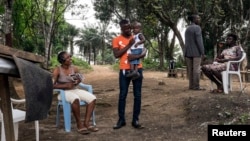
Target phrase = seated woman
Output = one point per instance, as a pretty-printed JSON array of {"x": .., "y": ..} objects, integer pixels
[
  {"x": 63, "y": 80},
  {"x": 213, "y": 71}
]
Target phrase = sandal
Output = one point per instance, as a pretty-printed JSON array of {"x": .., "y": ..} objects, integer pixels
[
  {"x": 83, "y": 131},
  {"x": 93, "y": 129}
]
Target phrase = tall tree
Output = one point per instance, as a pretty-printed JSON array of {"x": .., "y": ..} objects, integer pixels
[
  {"x": 37, "y": 22},
  {"x": 90, "y": 42},
  {"x": 73, "y": 32},
  {"x": 7, "y": 23},
  {"x": 50, "y": 22}
]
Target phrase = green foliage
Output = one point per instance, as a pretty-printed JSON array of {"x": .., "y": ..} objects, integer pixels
[
  {"x": 150, "y": 64},
  {"x": 116, "y": 65},
  {"x": 90, "y": 41},
  {"x": 1, "y": 9},
  {"x": 54, "y": 62},
  {"x": 81, "y": 63},
  {"x": 244, "y": 118},
  {"x": 180, "y": 62},
  {"x": 153, "y": 64},
  {"x": 108, "y": 57},
  {"x": 105, "y": 9}
]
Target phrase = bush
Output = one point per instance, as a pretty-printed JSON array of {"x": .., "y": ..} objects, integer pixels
[
  {"x": 116, "y": 65},
  {"x": 150, "y": 64}
]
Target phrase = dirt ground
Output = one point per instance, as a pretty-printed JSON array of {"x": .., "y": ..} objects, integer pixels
[{"x": 170, "y": 112}]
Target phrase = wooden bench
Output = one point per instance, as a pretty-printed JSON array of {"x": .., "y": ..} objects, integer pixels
[
  {"x": 183, "y": 72},
  {"x": 172, "y": 73}
]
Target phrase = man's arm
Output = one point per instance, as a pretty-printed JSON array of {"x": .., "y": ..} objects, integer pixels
[
  {"x": 199, "y": 40},
  {"x": 119, "y": 52},
  {"x": 133, "y": 57}
]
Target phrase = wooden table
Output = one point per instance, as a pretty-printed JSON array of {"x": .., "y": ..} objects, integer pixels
[
  {"x": 183, "y": 72},
  {"x": 9, "y": 68}
]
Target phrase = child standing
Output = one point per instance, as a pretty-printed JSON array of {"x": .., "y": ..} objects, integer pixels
[{"x": 136, "y": 49}]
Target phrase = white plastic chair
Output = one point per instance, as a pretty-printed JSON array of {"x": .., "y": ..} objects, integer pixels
[
  {"x": 18, "y": 115},
  {"x": 67, "y": 107},
  {"x": 227, "y": 75}
]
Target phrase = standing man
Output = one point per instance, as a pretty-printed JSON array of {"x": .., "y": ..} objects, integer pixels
[
  {"x": 194, "y": 51},
  {"x": 121, "y": 44}
]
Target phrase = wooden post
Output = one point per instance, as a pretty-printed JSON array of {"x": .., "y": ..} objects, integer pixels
[{"x": 6, "y": 108}]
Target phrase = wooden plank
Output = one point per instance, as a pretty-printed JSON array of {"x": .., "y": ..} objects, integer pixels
[
  {"x": 6, "y": 108},
  {"x": 21, "y": 54}
]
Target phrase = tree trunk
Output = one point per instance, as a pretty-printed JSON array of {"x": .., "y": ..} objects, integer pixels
[
  {"x": 7, "y": 24},
  {"x": 179, "y": 37},
  {"x": 48, "y": 36},
  {"x": 161, "y": 46},
  {"x": 90, "y": 47},
  {"x": 10, "y": 91},
  {"x": 71, "y": 42},
  {"x": 103, "y": 49}
]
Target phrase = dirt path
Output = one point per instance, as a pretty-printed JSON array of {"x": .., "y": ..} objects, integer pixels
[{"x": 170, "y": 112}]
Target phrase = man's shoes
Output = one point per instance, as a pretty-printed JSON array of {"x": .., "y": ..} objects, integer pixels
[
  {"x": 119, "y": 124},
  {"x": 137, "y": 125}
]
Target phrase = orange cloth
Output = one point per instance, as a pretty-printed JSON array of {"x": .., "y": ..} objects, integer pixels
[{"x": 121, "y": 42}]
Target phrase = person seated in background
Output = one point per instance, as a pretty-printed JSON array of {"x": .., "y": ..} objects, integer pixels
[
  {"x": 67, "y": 77},
  {"x": 230, "y": 53}
]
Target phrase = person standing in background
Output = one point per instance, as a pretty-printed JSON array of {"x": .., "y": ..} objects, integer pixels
[{"x": 194, "y": 51}]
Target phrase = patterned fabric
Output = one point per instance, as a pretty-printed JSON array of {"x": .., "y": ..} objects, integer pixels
[{"x": 228, "y": 53}]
